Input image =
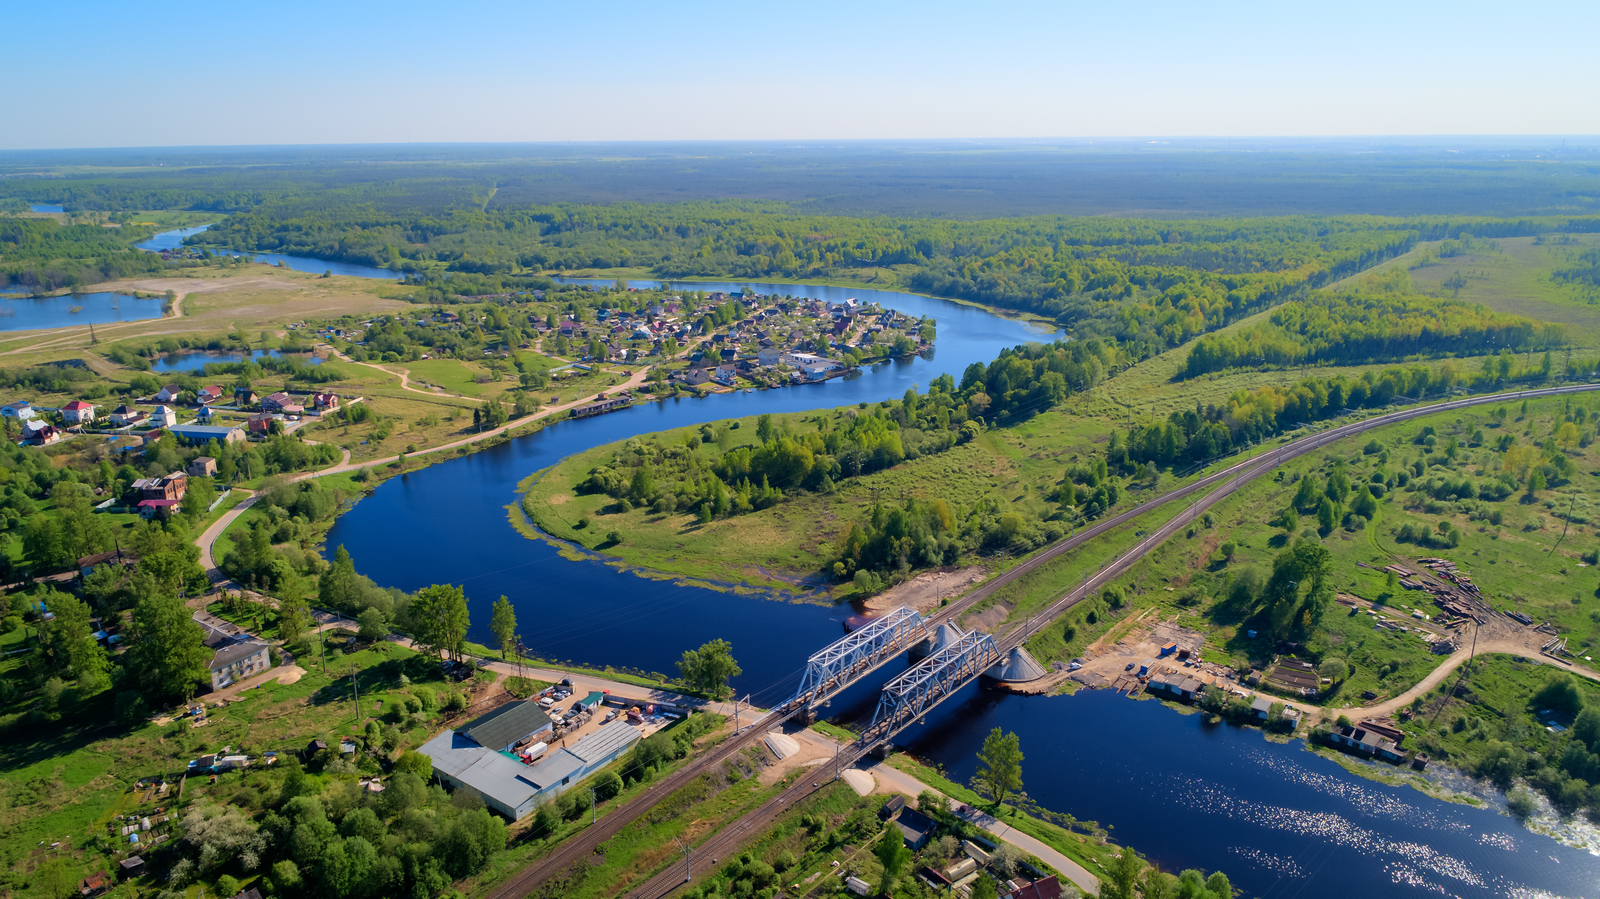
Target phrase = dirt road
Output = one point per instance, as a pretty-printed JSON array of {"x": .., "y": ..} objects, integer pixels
[{"x": 208, "y": 538}]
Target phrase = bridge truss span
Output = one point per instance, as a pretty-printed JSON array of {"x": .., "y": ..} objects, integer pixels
[
  {"x": 930, "y": 682},
  {"x": 858, "y": 653}
]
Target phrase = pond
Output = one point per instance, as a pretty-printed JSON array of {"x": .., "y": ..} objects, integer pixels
[
  {"x": 20, "y": 312},
  {"x": 170, "y": 240},
  {"x": 195, "y": 360}
]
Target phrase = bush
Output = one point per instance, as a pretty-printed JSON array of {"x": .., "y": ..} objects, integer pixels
[
  {"x": 520, "y": 687},
  {"x": 1521, "y": 805}
]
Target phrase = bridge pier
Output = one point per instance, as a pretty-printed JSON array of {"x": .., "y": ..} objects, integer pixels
[
  {"x": 946, "y": 636},
  {"x": 1019, "y": 667}
]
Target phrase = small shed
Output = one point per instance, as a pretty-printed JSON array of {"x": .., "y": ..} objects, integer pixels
[
  {"x": 94, "y": 884},
  {"x": 316, "y": 746},
  {"x": 132, "y": 866},
  {"x": 892, "y": 807}
]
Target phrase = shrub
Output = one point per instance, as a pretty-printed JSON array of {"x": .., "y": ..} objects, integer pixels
[{"x": 1520, "y": 804}]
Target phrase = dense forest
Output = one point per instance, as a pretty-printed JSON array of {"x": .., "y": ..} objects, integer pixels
[
  {"x": 40, "y": 254},
  {"x": 1149, "y": 284},
  {"x": 1193, "y": 177},
  {"x": 1353, "y": 328}
]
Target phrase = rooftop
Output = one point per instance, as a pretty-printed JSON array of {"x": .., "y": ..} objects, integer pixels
[
  {"x": 485, "y": 770},
  {"x": 914, "y": 824},
  {"x": 553, "y": 769},
  {"x": 234, "y": 652},
  {"x": 507, "y": 724},
  {"x": 605, "y": 741}
]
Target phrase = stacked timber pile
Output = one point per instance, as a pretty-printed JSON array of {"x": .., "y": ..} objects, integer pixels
[{"x": 1454, "y": 592}]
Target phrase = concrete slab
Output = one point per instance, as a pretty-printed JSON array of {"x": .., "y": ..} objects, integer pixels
[
  {"x": 860, "y": 781},
  {"x": 782, "y": 745}
]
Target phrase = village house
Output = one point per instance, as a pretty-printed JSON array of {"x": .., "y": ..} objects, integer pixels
[
  {"x": 125, "y": 415},
  {"x": 768, "y": 356},
  {"x": 237, "y": 659},
  {"x": 122, "y": 558},
  {"x": 724, "y": 375},
  {"x": 207, "y": 395},
  {"x": 244, "y": 396},
  {"x": 78, "y": 412},
  {"x": 163, "y": 417},
  {"x": 169, "y": 394},
  {"x": 21, "y": 410},
  {"x": 203, "y": 467},
  {"x": 278, "y": 402},
  {"x": 325, "y": 401},
  {"x": 39, "y": 433},
  {"x": 260, "y": 423},
  {"x": 696, "y": 376}
]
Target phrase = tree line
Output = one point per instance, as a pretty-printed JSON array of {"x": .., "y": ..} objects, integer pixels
[{"x": 1353, "y": 328}]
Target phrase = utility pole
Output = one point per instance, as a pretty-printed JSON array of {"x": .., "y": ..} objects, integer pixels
[
  {"x": 594, "y": 807},
  {"x": 688, "y": 870},
  {"x": 836, "y": 761}
]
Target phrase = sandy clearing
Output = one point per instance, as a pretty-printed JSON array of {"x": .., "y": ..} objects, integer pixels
[{"x": 926, "y": 591}]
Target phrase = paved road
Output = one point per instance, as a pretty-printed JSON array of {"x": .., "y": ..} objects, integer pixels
[{"x": 1069, "y": 869}]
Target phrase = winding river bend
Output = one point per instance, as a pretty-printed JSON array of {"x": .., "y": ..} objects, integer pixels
[{"x": 1282, "y": 822}]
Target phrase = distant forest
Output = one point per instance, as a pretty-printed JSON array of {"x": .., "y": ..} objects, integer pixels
[
  {"x": 477, "y": 220},
  {"x": 928, "y": 179}
]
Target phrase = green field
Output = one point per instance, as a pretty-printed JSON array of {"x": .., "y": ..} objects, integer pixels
[
  {"x": 1513, "y": 275},
  {"x": 777, "y": 547}
]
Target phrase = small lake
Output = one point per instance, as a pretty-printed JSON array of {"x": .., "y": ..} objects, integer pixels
[
  {"x": 171, "y": 240},
  {"x": 44, "y": 207},
  {"x": 20, "y": 312},
  {"x": 195, "y": 360}
]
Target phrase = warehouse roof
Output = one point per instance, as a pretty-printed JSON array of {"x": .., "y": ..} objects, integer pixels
[
  {"x": 202, "y": 430},
  {"x": 485, "y": 770},
  {"x": 507, "y": 724},
  {"x": 605, "y": 742},
  {"x": 553, "y": 769}
]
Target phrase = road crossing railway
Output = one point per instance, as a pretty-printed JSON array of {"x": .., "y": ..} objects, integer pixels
[{"x": 722, "y": 843}]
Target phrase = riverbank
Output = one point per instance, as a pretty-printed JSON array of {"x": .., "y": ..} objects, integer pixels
[{"x": 890, "y": 284}]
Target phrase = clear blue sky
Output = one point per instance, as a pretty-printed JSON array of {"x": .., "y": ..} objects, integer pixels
[{"x": 99, "y": 73}]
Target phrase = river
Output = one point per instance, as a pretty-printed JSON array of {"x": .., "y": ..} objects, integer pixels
[{"x": 1280, "y": 821}]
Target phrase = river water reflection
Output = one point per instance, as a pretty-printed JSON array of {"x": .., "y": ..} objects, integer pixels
[
  {"x": 1282, "y": 822},
  {"x": 588, "y": 611},
  {"x": 20, "y": 312}
]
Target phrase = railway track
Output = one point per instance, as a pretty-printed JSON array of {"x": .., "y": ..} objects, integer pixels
[{"x": 722, "y": 843}]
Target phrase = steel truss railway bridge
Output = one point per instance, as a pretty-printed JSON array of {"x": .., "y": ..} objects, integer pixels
[{"x": 953, "y": 659}]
